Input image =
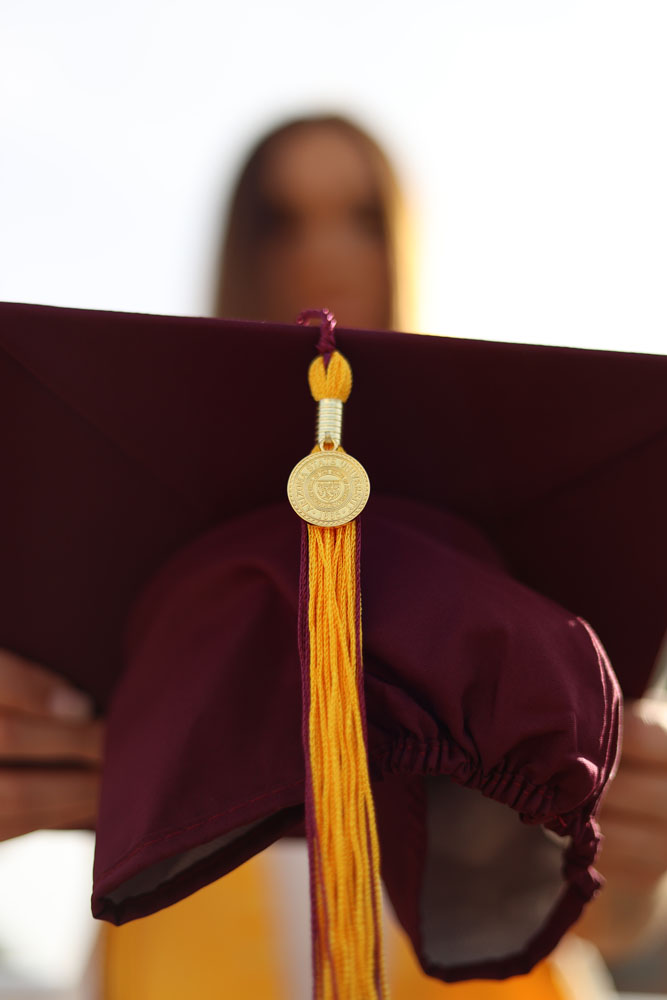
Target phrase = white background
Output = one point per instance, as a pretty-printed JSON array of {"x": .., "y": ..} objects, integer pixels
[{"x": 530, "y": 136}]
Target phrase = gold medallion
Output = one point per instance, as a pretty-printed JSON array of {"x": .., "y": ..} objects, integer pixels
[{"x": 328, "y": 488}]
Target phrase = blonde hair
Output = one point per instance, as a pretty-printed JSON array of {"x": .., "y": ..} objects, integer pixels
[{"x": 237, "y": 294}]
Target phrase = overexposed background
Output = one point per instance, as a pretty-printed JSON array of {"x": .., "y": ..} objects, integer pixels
[{"x": 530, "y": 135}]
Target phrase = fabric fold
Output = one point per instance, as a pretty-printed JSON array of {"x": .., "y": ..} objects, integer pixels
[{"x": 492, "y": 713}]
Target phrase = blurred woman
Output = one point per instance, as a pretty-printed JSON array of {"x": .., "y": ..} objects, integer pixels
[{"x": 317, "y": 218}]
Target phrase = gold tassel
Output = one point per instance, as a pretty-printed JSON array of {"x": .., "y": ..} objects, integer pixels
[{"x": 343, "y": 844}]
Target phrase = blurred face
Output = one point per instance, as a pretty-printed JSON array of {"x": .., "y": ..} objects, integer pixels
[{"x": 322, "y": 242}]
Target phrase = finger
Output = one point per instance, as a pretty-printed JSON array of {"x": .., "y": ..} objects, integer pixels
[
  {"x": 80, "y": 823},
  {"x": 28, "y": 687},
  {"x": 637, "y": 793},
  {"x": 632, "y": 853},
  {"x": 28, "y": 737},
  {"x": 78, "y": 818},
  {"x": 43, "y": 800},
  {"x": 645, "y": 733},
  {"x": 643, "y": 879}
]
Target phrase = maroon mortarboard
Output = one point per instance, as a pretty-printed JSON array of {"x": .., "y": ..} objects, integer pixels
[{"x": 150, "y": 555}]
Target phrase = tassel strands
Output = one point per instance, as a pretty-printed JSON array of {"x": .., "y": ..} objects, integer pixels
[
  {"x": 347, "y": 876},
  {"x": 348, "y": 961}
]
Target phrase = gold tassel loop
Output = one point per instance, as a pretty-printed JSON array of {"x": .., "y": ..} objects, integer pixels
[{"x": 332, "y": 381}]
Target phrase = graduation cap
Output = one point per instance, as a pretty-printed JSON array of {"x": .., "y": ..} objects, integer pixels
[{"x": 150, "y": 555}]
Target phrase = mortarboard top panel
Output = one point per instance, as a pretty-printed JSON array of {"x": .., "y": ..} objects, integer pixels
[{"x": 151, "y": 429}]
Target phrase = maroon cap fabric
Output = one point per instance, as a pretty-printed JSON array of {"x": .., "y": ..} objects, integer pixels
[
  {"x": 123, "y": 436},
  {"x": 474, "y": 684},
  {"x": 499, "y": 473}
]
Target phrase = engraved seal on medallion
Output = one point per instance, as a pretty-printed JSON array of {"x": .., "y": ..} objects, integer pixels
[{"x": 328, "y": 488}]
